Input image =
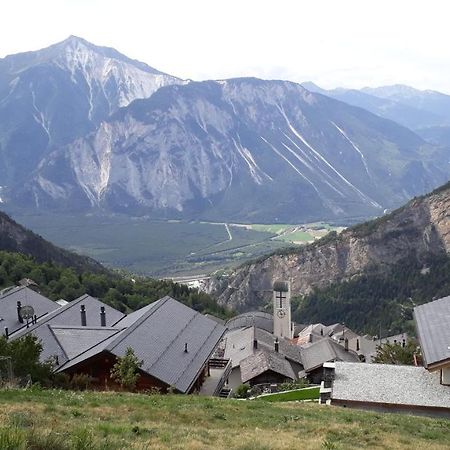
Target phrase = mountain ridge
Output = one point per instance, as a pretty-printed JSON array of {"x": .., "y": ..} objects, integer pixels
[
  {"x": 200, "y": 146},
  {"x": 18, "y": 239},
  {"x": 419, "y": 230}
]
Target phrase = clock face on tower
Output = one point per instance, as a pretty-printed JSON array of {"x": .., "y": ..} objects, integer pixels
[{"x": 281, "y": 313}]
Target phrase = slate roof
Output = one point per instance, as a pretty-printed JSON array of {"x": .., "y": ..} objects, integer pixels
[
  {"x": 390, "y": 384},
  {"x": 239, "y": 344},
  {"x": 258, "y": 319},
  {"x": 263, "y": 361},
  {"x": 325, "y": 350},
  {"x": 8, "y": 306},
  {"x": 69, "y": 315},
  {"x": 158, "y": 338},
  {"x": 433, "y": 328},
  {"x": 67, "y": 342}
]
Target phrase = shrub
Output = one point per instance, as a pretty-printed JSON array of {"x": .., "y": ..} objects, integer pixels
[{"x": 242, "y": 391}]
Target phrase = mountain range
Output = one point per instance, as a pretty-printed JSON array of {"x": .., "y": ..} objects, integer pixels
[
  {"x": 426, "y": 112},
  {"x": 84, "y": 128}
]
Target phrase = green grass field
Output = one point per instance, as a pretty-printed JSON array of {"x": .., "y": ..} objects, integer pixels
[
  {"x": 163, "y": 248},
  {"x": 64, "y": 420}
]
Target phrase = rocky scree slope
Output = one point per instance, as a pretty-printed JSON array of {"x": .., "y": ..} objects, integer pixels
[
  {"x": 51, "y": 96},
  {"x": 242, "y": 150}
]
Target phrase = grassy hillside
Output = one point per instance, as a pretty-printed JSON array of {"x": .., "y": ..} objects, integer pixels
[{"x": 63, "y": 420}]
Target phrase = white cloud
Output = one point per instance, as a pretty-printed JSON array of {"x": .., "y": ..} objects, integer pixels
[{"x": 346, "y": 42}]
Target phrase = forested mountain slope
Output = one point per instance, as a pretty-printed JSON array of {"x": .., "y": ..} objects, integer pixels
[{"x": 394, "y": 249}]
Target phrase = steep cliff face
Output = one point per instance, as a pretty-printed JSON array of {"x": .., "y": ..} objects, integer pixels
[
  {"x": 420, "y": 229},
  {"x": 52, "y": 96},
  {"x": 240, "y": 150}
]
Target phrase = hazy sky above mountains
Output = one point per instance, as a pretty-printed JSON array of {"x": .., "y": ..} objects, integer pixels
[{"x": 350, "y": 43}]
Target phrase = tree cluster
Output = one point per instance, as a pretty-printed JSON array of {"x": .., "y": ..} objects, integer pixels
[
  {"x": 379, "y": 298},
  {"x": 123, "y": 292}
]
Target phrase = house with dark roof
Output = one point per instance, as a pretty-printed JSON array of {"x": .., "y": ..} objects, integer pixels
[
  {"x": 257, "y": 357},
  {"x": 14, "y": 301},
  {"x": 86, "y": 336},
  {"x": 433, "y": 330},
  {"x": 315, "y": 355},
  {"x": 386, "y": 388}
]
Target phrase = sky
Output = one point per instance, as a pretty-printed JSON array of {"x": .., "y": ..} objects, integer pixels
[{"x": 349, "y": 43}]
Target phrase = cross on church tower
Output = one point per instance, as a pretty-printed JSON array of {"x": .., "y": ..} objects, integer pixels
[{"x": 281, "y": 297}]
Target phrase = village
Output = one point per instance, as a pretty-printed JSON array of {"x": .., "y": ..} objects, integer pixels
[{"x": 252, "y": 354}]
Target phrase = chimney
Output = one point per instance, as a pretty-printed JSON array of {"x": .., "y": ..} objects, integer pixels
[
  {"x": 83, "y": 315},
  {"x": 255, "y": 343},
  {"x": 19, "y": 309},
  {"x": 346, "y": 345},
  {"x": 6, "y": 332},
  {"x": 102, "y": 316},
  {"x": 357, "y": 345},
  {"x": 185, "y": 347},
  {"x": 277, "y": 345}
]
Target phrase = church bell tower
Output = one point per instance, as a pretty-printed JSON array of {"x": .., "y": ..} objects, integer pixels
[{"x": 282, "y": 326}]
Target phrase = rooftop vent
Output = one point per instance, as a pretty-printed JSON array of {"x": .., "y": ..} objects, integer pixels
[
  {"x": 83, "y": 315},
  {"x": 102, "y": 316}
]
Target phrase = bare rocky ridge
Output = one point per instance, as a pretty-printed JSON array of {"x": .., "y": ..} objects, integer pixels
[
  {"x": 242, "y": 150},
  {"x": 420, "y": 229}
]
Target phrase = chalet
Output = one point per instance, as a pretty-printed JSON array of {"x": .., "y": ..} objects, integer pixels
[
  {"x": 315, "y": 355},
  {"x": 385, "y": 387},
  {"x": 257, "y": 356},
  {"x": 86, "y": 336}
]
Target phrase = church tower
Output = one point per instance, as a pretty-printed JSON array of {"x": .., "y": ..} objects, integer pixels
[{"x": 282, "y": 326}]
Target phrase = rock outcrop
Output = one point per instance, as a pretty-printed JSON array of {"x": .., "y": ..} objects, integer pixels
[{"x": 420, "y": 229}]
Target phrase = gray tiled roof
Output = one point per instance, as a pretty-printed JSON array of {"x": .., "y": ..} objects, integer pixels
[
  {"x": 262, "y": 361},
  {"x": 433, "y": 327},
  {"x": 69, "y": 315},
  {"x": 239, "y": 345},
  {"x": 158, "y": 338},
  {"x": 8, "y": 306},
  {"x": 76, "y": 340},
  {"x": 325, "y": 350},
  {"x": 390, "y": 384}
]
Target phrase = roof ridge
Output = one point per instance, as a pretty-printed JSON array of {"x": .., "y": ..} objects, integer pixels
[
  {"x": 81, "y": 327},
  {"x": 58, "y": 341},
  {"x": 90, "y": 348},
  {"x": 137, "y": 323},
  {"x": 12, "y": 291}
]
